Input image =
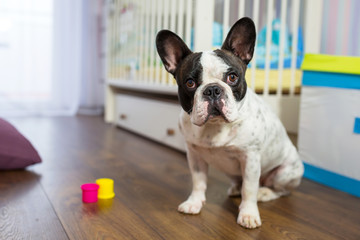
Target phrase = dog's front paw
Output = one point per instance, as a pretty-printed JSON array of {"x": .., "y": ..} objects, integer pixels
[
  {"x": 249, "y": 217},
  {"x": 190, "y": 206}
]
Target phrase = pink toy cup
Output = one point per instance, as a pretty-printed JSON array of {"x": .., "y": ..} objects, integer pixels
[{"x": 89, "y": 192}]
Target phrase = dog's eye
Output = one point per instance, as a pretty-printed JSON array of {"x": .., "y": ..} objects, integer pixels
[
  {"x": 190, "y": 83},
  {"x": 232, "y": 79}
]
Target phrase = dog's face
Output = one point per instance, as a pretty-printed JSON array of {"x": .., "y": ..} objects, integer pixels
[{"x": 210, "y": 84}]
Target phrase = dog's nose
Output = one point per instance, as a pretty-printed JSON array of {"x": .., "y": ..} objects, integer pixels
[{"x": 212, "y": 92}]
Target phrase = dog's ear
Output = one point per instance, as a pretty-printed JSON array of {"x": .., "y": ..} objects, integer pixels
[
  {"x": 172, "y": 50},
  {"x": 241, "y": 39}
]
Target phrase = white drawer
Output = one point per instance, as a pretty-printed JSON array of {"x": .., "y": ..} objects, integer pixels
[{"x": 155, "y": 119}]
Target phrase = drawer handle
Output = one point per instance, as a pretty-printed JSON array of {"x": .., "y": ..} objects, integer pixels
[
  {"x": 170, "y": 132},
  {"x": 123, "y": 116}
]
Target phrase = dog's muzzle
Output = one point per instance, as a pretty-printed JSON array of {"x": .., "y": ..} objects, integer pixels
[{"x": 213, "y": 95}]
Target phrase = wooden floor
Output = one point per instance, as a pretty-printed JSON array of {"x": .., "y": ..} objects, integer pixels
[{"x": 44, "y": 202}]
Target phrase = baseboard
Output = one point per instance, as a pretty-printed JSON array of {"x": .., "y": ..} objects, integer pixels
[
  {"x": 333, "y": 180},
  {"x": 90, "y": 111}
]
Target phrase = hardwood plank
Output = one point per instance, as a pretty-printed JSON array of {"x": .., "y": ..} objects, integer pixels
[
  {"x": 151, "y": 180},
  {"x": 25, "y": 212}
]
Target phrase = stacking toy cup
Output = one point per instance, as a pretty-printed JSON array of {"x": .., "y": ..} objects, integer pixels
[
  {"x": 90, "y": 192},
  {"x": 106, "y": 190}
]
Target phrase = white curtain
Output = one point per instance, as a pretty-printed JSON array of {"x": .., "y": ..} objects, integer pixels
[
  {"x": 92, "y": 58},
  {"x": 49, "y": 59},
  {"x": 67, "y": 43}
]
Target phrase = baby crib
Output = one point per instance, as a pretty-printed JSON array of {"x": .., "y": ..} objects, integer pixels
[{"x": 283, "y": 36}]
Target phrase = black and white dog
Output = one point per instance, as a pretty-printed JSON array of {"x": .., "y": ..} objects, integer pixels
[{"x": 227, "y": 125}]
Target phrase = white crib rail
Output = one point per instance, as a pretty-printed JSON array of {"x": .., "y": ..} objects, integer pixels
[
  {"x": 270, "y": 10},
  {"x": 256, "y": 22},
  {"x": 241, "y": 9},
  {"x": 226, "y": 11},
  {"x": 281, "y": 45},
  {"x": 295, "y": 26},
  {"x": 189, "y": 13}
]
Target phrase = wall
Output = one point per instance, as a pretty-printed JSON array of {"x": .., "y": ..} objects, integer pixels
[{"x": 341, "y": 27}]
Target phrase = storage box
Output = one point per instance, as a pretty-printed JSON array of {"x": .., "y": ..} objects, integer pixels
[{"x": 329, "y": 127}]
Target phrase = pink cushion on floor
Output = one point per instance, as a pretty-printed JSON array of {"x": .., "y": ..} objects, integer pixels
[{"x": 16, "y": 151}]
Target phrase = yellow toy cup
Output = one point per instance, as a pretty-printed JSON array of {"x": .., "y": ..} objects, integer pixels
[{"x": 106, "y": 190}]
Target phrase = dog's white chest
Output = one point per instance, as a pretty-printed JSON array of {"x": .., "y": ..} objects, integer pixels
[
  {"x": 217, "y": 144},
  {"x": 210, "y": 137},
  {"x": 225, "y": 159}
]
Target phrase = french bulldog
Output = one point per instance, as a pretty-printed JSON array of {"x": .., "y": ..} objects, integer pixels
[{"x": 226, "y": 125}]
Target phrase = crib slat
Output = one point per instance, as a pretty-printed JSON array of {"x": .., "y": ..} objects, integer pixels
[
  {"x": 117, "y": 40},
  {"x": 134, "y": 53},
  {"x": 179, "y": 26},
  {"x": 111, "y": 50},
  {"x": 107, "y": 40},
  {"x": 122, "y": 51},
  {"x": 151, "y": 40},
  {"x": 313, "y": 14},
  {"x": 119, "y": 30},
  {"x": 226, "y": 18},
  {"x": 295, "y": 27},
  {"x": 122, "y": 48},
  {"x": 127, "y": 57},
  {"x": 241, "y": 10},
  {"x": 113, "y": 34},
  {"x": 253, "y": 62},
  {"x": 188, "y": 22},
  {"x": 203, "y": 20},
  {"x": 116, "y": 18},
  {"x": 270, "y": 10},
  {"x": 173, "y": 15},
  {"x": 159, "y": 4},
  {"x": 172, "y": 28},
  {"x": 164, "y": 74},
  {"x": 111, "y": 41},
  {"x": 148, "y": 40},
  {"x": 142, "y": 46},
  {"x": 139, "y": 34},
  {"x": 180, "y": 20},
  {"x": 281, "y": 46},
  {"x": 142, "y": 43}
]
